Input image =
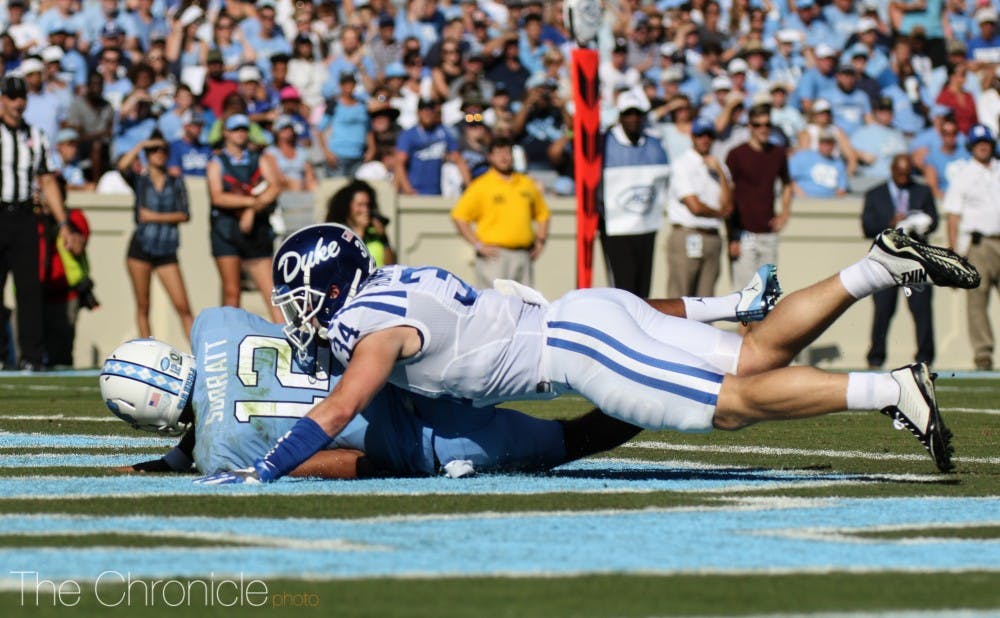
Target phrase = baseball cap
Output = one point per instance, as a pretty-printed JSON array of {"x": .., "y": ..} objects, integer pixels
[
  {"x": 883, "y": 103},
  {"x": 621, "y": 45},
  {"x": 805, "y": 4},
  {"x": 672, "y": 74},
  {"x": 721, "y": 83},
  {"x": 820, "y": 105},
  {"x": 14, "y": 87},
  {"x": 737, "y": 65},
  {"x": 347, "y": 76},
  {"x": 111, "y": 29},
  {"x": 31, "y": 65},
  {"x": 20, "y": 3},
  {"x": 980, "y": 133},
  {"x": 986, "y": 14},
  {"x": 386, "y": 21},
  {"x": 289, "y": 93},
  {"x": 825, "y": 51},
  {"x": 248, "y": 73},
  {"x": 630, "y": 100},
  {"x": 283, "y": 122},
  {"x": 213, "y": 56},
  {"x": 858, "y": 49},
  {"x": 846, "y": 67},
  {"x": 52, "y": 53},
  {"x": 427, "y": 104},
  {"x": 702, "y": 127},
  {"x": 788, "y": 35},
  {"x": 237, "y": 121},
  {"x": 866, "y": 24},
  {"x": 395, "y": 69},
  {"x": 67, "y": 135},
  {"x": 192, "y": 117},
  {"x": 667, "y": 49},
  {"x": 938, "y": 110},
  {"x": 826, "y": 134}
]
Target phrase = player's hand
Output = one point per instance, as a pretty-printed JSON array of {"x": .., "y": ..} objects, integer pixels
[{"x": 247, "y": 476}]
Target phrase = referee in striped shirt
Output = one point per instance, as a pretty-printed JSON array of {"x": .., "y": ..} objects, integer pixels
[{"x": 24, "y": 158}]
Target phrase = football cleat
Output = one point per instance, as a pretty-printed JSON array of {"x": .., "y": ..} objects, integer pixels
[
  {"x": 758, "y": 297},
  {"x": 917, "y": 411},
  {"x": 914, "y": 264}
]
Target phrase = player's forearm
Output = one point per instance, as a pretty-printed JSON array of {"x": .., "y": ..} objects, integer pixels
[{"x": 331, "y": 464}]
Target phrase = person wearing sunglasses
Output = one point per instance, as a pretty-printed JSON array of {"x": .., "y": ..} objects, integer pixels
[
  {"x": 161, "y": 204},
  {"x": 755, "y": 166}
]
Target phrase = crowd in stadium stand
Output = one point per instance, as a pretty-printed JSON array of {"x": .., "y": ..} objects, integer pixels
[{"x": 350, "y": 77}]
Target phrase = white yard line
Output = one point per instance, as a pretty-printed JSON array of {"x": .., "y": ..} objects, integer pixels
[
  {"x": 774, "y": 450},
  {"x": 58, "y": 417}
]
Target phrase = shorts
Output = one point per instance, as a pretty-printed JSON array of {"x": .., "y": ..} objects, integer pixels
[
  {"x": 136, "y": 252},
  {"x": 227, "y": 239},
  {"x": 635, "y": 363}
]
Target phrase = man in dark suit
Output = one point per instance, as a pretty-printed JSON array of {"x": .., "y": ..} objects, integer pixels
[{"x": 900, "y": 202}]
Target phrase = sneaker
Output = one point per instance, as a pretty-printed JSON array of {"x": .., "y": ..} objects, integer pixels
[
  {"x": 912, "y": 263},
  {"x": 917, "y": 411},
  {"x": 759, "y": 296}
]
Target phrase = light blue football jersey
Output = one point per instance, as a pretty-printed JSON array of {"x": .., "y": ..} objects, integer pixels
[
  {"x": 250, "y": 390},
  {"x": 477, "y": 345}
]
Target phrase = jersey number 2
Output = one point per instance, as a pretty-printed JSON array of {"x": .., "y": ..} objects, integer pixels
[{"x": 249, "y": 376}]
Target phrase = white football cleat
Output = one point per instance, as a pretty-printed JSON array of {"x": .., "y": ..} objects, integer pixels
[
  {"x": 914, "y": 264},
  {"x": 917, "y": 411},
  {"x": 759, "y": 295}
]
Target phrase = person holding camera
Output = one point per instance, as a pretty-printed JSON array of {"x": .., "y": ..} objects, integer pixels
[
  {"x": 66, "y": 283},
  {"x": 161, "y": 204},
  {"x": 974, "y": 231}
]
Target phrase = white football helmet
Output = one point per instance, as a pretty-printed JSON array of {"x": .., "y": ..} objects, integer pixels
[{"x": 147, "y": 383}]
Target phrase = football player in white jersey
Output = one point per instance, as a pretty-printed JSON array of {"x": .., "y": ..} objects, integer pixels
[{"x": 427, "y": 331}]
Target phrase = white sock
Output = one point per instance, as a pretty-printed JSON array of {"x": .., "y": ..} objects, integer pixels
[
  {"x": 711, "y": 308},
  {"x": 865, "y": 277},
  {"x": 871, "y": 391}
]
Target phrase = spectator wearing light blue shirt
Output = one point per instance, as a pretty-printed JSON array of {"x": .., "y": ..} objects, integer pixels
[
  {"x": 816, "y": 79},
  {"x": 842, "y": 19},
  {"x": 876, "y": 144},
  {"x": 817, "y": 173},
  {"x": 807, "y": 19},
  {"x": 787, "y": 64},
  {"x": 986, "y": 46},
  {"x": 851, "y": 107},
  {"x": 944, "y": 159}
]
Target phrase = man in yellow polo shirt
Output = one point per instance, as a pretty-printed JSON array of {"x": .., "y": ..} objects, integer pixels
[{"x": 504, "y": 216}]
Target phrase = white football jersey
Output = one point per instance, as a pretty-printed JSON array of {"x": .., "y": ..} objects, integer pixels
[{"x": 478, "y": 345}]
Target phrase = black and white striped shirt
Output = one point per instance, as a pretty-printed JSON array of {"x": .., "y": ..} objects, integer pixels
[{"x": 24, "y": 154}]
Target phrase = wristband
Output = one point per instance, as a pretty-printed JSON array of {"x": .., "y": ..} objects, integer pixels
[
  {"x": 62, "y": 224},
  {"x": 299, "y": 444},
  {"x": 478, "y": 246},
  {"x": 178, "y": 460}
]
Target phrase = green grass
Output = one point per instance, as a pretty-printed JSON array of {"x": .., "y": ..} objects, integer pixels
[
  {"x": 590, "y": 596},
  {"x": 870, "y": 436}
]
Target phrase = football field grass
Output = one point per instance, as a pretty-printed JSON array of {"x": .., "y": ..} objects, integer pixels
[{"x": 835, "y": 516}]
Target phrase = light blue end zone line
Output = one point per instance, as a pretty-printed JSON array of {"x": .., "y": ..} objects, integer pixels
[
  {"x": 586, "y": 476},
  {"x": 766, "y": 538}
]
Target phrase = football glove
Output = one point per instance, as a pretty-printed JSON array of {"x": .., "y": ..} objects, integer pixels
[{"x": 260, "y": 472}]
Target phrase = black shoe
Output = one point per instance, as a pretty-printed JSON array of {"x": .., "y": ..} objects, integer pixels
[
  {"x": 917, "y": 411},
  {"x": 30, "y": 366},
  {"x": 914, "y": 264}
]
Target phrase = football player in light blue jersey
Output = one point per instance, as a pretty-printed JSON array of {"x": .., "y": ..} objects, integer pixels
[
  {"x": 425, "y": 330},
  {"x": 244, "y": 389}
]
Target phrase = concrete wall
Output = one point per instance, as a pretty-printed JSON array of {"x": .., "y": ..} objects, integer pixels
[{"x": 822, "y": 237}]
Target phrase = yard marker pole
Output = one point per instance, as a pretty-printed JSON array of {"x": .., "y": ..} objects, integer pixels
[{"x": 586, "y": 158}]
